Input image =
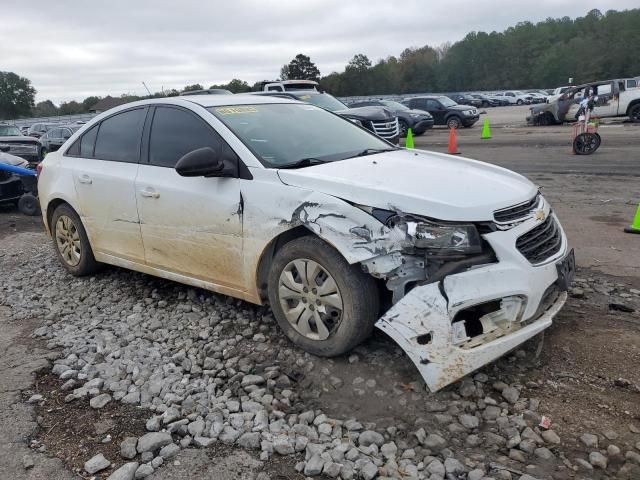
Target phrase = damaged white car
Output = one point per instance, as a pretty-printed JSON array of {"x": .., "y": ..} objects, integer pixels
[{"x": 273, "y": 200}]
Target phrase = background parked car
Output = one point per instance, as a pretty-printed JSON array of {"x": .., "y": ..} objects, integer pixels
[
  {"x": 417, "y": 120},
  {"x": 537, "y": 97},
  {"x": 38, "y": 129},
  {"x": 444, "y": 110},
  {"x": 515, "y": 97},
  {"x": 378, "y": 120},
  {"x": 488, "y": 101},
  {"x": 53, "y": 139},
  {"x": 464, "y": 99},
  {"x": 18, "y": 144}
]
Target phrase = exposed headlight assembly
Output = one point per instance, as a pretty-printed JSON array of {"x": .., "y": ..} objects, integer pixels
[{"x": 439, "y": 238}]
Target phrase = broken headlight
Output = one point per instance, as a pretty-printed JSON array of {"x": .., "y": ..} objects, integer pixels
[{"x": 439, "y": 238}]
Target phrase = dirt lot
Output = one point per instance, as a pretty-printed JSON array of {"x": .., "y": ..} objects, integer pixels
[{"x": 585, "y": 378}]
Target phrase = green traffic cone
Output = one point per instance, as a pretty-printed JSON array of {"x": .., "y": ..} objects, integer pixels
[
  {"x": 408, "y": 143},
  {"x": 635, "y": 226},
  {"x": 486, "y": 131}
]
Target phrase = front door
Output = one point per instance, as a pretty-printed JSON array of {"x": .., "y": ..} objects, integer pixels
[
  {"x": 104, "y": 177},
  {"x": 190, "y": 225}
]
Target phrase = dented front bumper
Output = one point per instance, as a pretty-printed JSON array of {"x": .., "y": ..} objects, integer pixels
[{"x": 422, "y": 322}]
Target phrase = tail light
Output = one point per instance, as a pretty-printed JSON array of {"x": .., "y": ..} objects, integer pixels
[{"x": 38, "y": 169}]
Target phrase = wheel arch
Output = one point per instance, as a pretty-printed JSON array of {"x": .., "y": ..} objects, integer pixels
[
  {"x": 632, "y": 104},
  {"x": 269, "y": 252}
]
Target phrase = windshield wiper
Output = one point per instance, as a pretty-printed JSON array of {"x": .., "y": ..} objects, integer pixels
[
  {"x": 304, "y": 162},
  {"x": 373, "y": 151}
]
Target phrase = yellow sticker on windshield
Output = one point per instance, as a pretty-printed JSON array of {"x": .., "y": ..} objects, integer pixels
[
  {"x": 304, "y": 97},
  {"x": 236, "y": 110}
]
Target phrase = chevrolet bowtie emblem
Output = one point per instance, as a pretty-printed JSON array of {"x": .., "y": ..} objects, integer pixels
[{"x": 539, "y": 214}]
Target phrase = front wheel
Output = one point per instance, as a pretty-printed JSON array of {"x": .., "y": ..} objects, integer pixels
[
  {"x": 519, "y": 102},
  {"x": 404, "y": 127},
  {"x": 71, "y": 242},
  {"x": 324, "y": 305},
  {"x": 28, "y": 204},
  {"x": 454, "y": 122}
]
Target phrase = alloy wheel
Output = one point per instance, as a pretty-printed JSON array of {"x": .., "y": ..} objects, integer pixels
[
  {"x": 310, "y": 299},
  {"x": 68, "y": 240}
]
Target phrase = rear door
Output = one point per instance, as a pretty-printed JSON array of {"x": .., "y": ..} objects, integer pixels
[
  {"x": 104, "y": 177},
  {"x": 190, "y": 225},
  {"x": 437, "y": 110}
]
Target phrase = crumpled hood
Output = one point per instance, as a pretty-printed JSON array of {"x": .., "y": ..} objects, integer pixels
[{"x": 423, "y": 183}]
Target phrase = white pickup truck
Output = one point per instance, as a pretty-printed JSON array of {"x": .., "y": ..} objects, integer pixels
[{"x": 614, "y": 98}]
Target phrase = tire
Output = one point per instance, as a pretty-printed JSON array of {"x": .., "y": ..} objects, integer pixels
[
  {"x": 485, "y": 104},
  {"x": 586, "y": 143},
  {"x": 28, "y": 205},
  {"x": 634, "y": 113},
  {"x": 67, "y": 229},
  {"x": 417, "y": 134},
  {"x": 519, "y": 102},
  {"x": 404, "y": 126},
  {"x": 355, "y": 291},
  {"x": 454, "y": 122}
]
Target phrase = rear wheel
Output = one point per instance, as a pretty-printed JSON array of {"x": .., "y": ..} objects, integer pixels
[
  {"x": 634, "y": 113},
  {"x": 71, "y": 242},
  {"x": 28, "y": 204},
  {"x": 323, "y": 304},
  {"x": 454, "y": 122},
  {"x": 519, "y": 102}
]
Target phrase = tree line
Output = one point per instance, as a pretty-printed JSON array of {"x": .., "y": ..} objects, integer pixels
[{"x": 541, "y": 55}]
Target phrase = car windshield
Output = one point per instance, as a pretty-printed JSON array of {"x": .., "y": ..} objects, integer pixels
[
  {"x": 323, "y": 100},
  {"x": 285, "y": 134},
  {"x": 394, "y": 105},
  {"x": 9, "y": 131},
  {"x": 446, "y": 101}
]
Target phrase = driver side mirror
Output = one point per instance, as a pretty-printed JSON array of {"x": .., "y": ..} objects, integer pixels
[{"x": 204, "y": 162}]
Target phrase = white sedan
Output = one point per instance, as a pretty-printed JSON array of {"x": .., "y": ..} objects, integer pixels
[{"x": 276, "y": 201}]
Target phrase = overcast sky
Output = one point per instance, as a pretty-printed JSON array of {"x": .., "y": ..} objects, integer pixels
[{"x": 72, "y": 49}]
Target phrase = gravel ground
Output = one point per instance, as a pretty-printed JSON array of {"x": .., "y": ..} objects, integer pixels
[{"x": 206, "y": 370}]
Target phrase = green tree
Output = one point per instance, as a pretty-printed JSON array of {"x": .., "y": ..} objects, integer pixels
[
  {"x": 89, "y": 102},
  {"x": 192, "y": 88},
  {"x": 45, "y": 109},
  {"x": 300, "y": 68},
  {"x": 71, "y": 108},
  {"x": 17, "y": 96}
]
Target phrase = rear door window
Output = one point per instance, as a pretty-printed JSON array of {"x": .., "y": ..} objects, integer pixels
[
  {"x": 119, "y": 136},
  {"x": 87, "y": 142},
  {"x": 176, "y": 132}
]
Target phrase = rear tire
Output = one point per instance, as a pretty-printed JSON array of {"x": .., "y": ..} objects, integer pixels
[
  {"x": 324, "y": 305},
  {"x": 519, "y": 102},
  {"x": 634, "y": 113},
  {"x": 28, "y": 204},
  {"x": 71, "y": 242}
]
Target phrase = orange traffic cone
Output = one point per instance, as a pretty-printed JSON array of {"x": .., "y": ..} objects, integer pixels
[{"x": 453, "y": 144}]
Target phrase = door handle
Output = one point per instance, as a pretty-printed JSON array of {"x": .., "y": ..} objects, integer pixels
[
  {"x": 85, "y": 179},
  {"x": 149, "y": 193}
]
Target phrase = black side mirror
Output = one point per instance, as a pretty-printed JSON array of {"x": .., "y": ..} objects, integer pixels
[{"x": 203, "y": 162}]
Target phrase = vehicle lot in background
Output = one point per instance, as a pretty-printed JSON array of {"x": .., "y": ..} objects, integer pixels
[
  {"x": 53, "y": 138},
  {"x": 444, "y": 110},
  {"x": 14, "y": 142},
  {"x": 417, "y": 120},
  {"x": 465, "y": 99},
  {"x": 38, "y": 129}
]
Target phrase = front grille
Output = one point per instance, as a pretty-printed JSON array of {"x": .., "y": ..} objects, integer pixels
[
  {"x": 541, "y": 242},
  {"x": 517, "y": 212},
  {"x": 386, "y": 128}
]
